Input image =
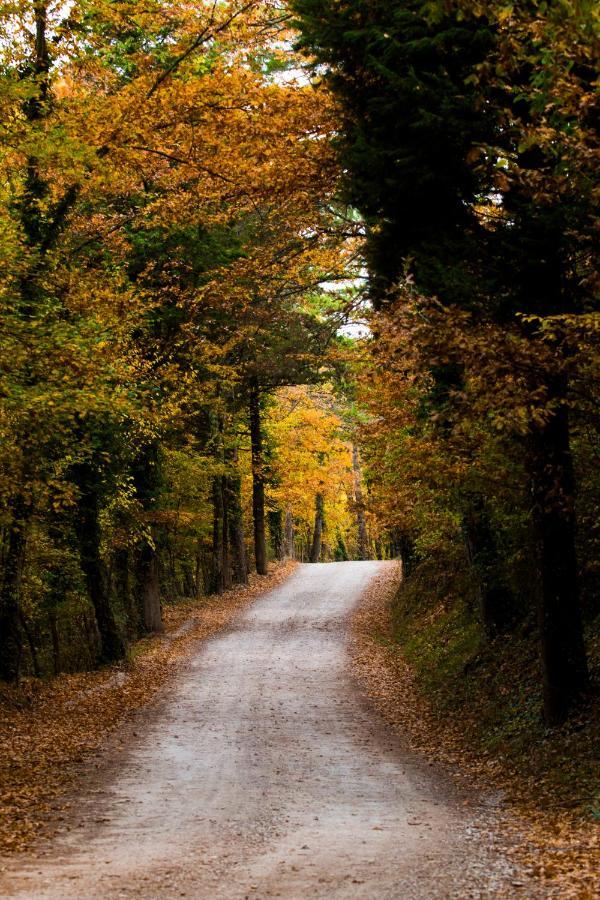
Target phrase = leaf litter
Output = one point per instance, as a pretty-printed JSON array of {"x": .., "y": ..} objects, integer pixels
[{"x": 555, "y": 844}]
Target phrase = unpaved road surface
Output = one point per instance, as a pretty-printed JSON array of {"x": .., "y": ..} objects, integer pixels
[{"x": 263, "y": 773}]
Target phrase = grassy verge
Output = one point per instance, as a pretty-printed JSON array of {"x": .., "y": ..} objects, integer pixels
[{"x": 476, "y": 706}]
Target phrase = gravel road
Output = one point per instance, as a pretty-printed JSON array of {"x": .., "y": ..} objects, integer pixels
[{"x": 263, "y": 773}]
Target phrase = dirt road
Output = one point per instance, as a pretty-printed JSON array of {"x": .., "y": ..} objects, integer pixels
[{"x": 262, "y": 773}]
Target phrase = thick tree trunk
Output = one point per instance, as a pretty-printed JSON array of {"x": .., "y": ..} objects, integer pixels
[
  {"x": 564, "y": 663},
  {"x": 495, "y": 601},
  {"x": 258, "y": 480},
  {"x": 226, "y": 555},
  {"x": 406, "y": 550},
  {"x": 11, "y": 637},
  {"x": 148, "y": 578},
  {"x": 359, "y": 504},
  {"x": 276, "y": 533},
  {"x": 237, "y": 538},
  {"x": 200, "y": 585},
  {"x": 32, "y": 648},
  {"x": 221, "y": 560},
  {"x": 54, "y": 636},
  {"x": 315, "y": 552},
  {"x": 290, "y": 552},
  {"x": 112, "y": 647},
  {"x": 147, "y": 479},
  {"x": 124, "y": 591}
]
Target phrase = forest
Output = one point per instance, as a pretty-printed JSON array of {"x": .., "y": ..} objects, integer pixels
[{"x": 311, "y": 280}]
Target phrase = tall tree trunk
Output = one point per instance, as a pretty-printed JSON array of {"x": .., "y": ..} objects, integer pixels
[
  {"x": 237, "y": 538},
  {"x": 148, "y": 578},
  {"x": 315, "y": 552},
  {"x": 11, "y": 637},
  {"x": 258, "y": 480},
  {"x": 406, "y": 549},
  {"x": 564, "y": 662},
  {"x": 494, "y": 599},
  {"x": 112, "y": 647},
  {"x": 54, "y": 636},
  {"x": 290, "y": 552},
  {"x": 221, "y": 570},
  {"x": 31, "y": 643},
  {"x": 275, "y": 517},
  {"x": 147, "y": 478},
  {"x": 124, "y": 590},
  {"x": 359, "y": 504},
  {"x": 227, "y": 576}
]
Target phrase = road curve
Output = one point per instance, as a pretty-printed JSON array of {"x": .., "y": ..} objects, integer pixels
[{"x": 262, "y": 773}]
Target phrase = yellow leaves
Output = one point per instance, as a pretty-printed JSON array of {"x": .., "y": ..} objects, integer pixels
[{"x": 312, "y": 455}]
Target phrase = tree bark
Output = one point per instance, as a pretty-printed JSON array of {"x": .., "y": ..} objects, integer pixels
[
  {"x": 226, "y": 553},
  {"x": 359, "y": 504},
  {"x": 11, "y": 637},
  {"x": 124, "y": 590},
  {"x": 237, "y": 538},
  {"x": 494, "y": 600},
  {"x": 32, "y": 648},
  {"x": 147, "y": 479},
  {"x": 258, "y": 480},
  {"x": 149, "y": 583},
  {"x": 290, "y": 552},
  {"x": 563, "y": 656},
  {"x": 112, "y": 646},
  {"x": 54, "y": 636},
  {"x": 221, "y": 556},
  {"x": 276, "y": 533},
  {"x": 315, "y": 552}
]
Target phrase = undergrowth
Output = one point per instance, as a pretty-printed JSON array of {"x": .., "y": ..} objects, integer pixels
[{"x": 489, "y": 691}]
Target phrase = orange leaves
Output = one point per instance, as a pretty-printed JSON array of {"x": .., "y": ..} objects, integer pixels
[{"x": 313, "y": 455}]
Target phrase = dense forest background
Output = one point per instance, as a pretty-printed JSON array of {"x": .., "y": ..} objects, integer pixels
[
  {"x": 201, "y": 204},
  {"x": 174, "y": 411}
]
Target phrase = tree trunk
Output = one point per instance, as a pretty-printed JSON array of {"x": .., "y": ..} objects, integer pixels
[
  {"x": 199, "y": 578},
  {"x": 11, "y": 638},
  {"x": 315, "y": 552},
  {"x": 276, "y": 533},
  {"x": 219, "y": 541},
  {"x": 289, "y": 535},
  {"x": 147, "y": 478},
  {"x": 227, "y": 577},
  {"x": 564, "y": 663},
  {"x": 149, "y": 589},
  {"x": 361, "y": 520},
  {"x": 495, "y": 601},
  {"x": 54, "y": 636},
  {"x": 406, "y": 550},
  {"x": 258, "y": 480},
  {"x": 32, "y": 648},
  {"x": 124, "y": 591},
  {"x": 237, "y": 538},
  {"x": 112, "y": 647}
]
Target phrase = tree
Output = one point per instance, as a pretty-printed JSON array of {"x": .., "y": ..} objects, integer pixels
[{"x": 468, "y": 156}]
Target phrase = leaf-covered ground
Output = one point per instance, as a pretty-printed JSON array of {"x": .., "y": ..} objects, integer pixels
[
  {"x": 48, "y": 729},
  {"x": 546, "y": 787}
]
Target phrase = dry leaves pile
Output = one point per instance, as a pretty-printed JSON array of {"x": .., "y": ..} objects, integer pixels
[
  {"x": 553, "y": 843},
  {"x": 47, "y": 729}
]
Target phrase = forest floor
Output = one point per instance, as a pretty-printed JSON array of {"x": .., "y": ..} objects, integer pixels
[
  {"x": 51, "y": 731},
  {"x": 262, "y": 770},
  {"x": 437, "y": 689}
]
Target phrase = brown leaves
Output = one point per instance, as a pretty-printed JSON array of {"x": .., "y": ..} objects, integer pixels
[{"x": 546, "y": 830}]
